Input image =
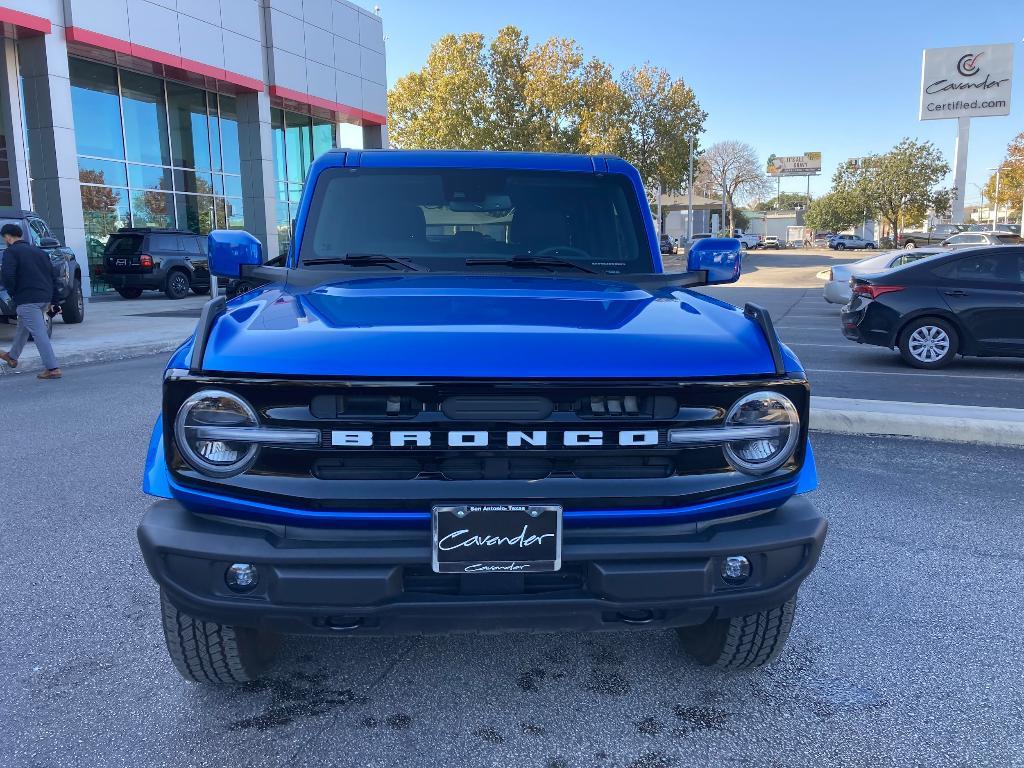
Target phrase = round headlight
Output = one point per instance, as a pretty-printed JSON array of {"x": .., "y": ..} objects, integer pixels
[
  {"x": 760, "y": 455},
  {"x": 203, "y": 441}
]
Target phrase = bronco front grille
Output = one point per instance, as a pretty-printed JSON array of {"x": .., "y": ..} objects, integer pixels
[{"x": 584, "y": 444}]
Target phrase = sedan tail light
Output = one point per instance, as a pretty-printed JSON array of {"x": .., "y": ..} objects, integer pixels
[
  {"x": 145, "y": 260},
  {"x": 874, "y": 291}
]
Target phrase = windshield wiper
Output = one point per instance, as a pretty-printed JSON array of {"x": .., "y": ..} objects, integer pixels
[
  {"x": 364, "y": 260},
  {"x": 527, "y": 261}
]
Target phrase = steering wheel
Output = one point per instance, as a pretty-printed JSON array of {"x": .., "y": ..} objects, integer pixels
[{"x": 556, "y": 250}]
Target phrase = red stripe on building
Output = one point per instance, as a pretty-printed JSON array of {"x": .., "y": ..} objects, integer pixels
[
  {"x": 97, "y": 40},
  {"x": 25, "y": 22},
  {"x": 333, "y": 106}
]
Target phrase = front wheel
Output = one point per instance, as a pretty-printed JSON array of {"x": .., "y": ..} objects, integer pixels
[
  {"x": 742, "y": 642},
  {"x": 207, "y": 652},
  {"x": 911, "y": 245},
  {"x": 840, "y": 247},
  {"x": 73, "y": 309},
  {"x": 929, "y": 343}
]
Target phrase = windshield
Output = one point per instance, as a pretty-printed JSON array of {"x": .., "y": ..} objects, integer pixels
[{"x": 439, "y": 218}]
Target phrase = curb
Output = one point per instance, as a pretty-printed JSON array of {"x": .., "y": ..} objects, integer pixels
[
  {"x": 928, "y": 421},
  {"x": 89, "y": 356}
]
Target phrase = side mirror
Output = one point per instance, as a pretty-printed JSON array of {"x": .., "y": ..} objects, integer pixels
[
  {"x": 718, "y": 256},
  {"x": 232, "y": 249},
  {"x": 49, "y": 242}
]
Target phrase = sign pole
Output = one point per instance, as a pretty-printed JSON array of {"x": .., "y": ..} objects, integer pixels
[
  {"x": 963, "y": 135},
  {"x": 689, "y": 196}
]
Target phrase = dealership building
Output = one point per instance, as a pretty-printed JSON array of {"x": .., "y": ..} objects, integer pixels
[{"x": 194, "y": 114}]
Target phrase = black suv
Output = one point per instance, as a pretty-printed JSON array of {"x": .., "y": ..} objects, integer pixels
[
  {"x": 65, "y": 265},
  {"x": 146, "y": 259}
]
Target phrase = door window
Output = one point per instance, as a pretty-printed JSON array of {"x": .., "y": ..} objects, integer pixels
[
  {"x": 988, "y": 268},
  {"x": 164, "y": 243}
]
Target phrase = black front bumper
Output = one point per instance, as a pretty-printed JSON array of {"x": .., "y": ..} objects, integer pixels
[{"x": 381, "y": 582}]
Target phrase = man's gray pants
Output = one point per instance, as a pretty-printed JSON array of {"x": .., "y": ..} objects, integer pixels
[{"x": 32, "y": 321}]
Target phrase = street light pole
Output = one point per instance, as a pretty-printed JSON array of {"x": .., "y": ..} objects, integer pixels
[{"x": 995, "y": 201}]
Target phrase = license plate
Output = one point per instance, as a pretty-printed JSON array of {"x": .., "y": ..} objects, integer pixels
[{"x": 497, "y": 538}]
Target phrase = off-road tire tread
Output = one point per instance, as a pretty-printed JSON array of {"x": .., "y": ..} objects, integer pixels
[
  {"x": 207, "y": 652},
  {"x": 741, "y": 642}
]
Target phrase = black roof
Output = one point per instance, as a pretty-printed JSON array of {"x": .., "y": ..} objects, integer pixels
[{"x": 15, "y": 213}]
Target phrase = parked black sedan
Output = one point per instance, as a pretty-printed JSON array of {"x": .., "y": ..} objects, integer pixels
[{"x": 968, "y": 302}]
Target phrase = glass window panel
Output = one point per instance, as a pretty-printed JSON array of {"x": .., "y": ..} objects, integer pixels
[
  {"x": 91, "y": 171},
  {"x": 145, "y": 119},
  {"x": 235, "y": 213},
  {"x": 298, "y": 141},
  {"x": 195, "y": 213},
  {"x": 323, "y": 136},
  {"x": 294, "y": 192},
  {"x": 152, "y": 209},
  {"x": 229, "y": 134},
  {"x": 218, "y": 184},
  {"x": 190, "y": 128},
  {"x": 350, "y": 136},
  {"x": 95, "y": 108},
  {"x": 190, "y": 181},
  {"x": 282, "y": 191},
  {"x": 105, "y": 210},
  {"x": 233, "y": 186},
  {"x": 283, "y": 228},
  {"x": 149, "y": 177},
  {"x": 277, "y": 136},
  {"x": 215, "y": 161}
]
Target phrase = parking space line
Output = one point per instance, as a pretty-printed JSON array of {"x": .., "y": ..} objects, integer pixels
[{"x": 929, "y": 374}]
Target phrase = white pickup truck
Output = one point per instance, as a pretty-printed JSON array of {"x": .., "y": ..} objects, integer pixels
[{"x": 747, "y": 239}]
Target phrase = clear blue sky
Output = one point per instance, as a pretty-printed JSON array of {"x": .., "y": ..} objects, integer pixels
[{"x": 841, "y": 77}]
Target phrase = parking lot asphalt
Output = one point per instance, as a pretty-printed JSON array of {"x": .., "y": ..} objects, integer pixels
[
  {"x": 906, "y": 649},
  {"x": 786, "y": 283}
]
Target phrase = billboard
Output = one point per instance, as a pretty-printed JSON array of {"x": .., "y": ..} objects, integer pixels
[
  {"x": 807, "y": 164},
  {"x": 966, "y": 81}
]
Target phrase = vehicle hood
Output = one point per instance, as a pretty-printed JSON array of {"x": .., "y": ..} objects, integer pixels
[{"x": 485, "y": 327}]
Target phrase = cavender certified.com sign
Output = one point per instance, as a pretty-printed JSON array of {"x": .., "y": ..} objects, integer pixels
[{"x": 966, "y": 81}]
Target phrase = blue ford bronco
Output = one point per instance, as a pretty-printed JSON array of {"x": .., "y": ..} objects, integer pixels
[{"x": 472, "y": 400}]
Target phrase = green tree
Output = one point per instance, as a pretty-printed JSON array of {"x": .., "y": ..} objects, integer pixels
[
  {"x": 661, "y": 115},
  {"x": 834, "y": 212},
  {"x": 900, "y": 186},
  {"x": 1011, "y": 180},
  {"x": 512, "y": 95}
]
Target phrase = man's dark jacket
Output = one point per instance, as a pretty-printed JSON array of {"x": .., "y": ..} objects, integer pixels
[{"x": 27, "y": 274}]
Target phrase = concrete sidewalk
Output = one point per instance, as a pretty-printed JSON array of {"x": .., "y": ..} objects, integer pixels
[{"x": 114, "y": 329}]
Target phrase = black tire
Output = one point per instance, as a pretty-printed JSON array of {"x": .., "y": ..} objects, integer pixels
[
  {"x": 914, "y": 343},
  {"x": 201, "y": 291},
  {"x": 742, "y": 642},
  {"x": 73, "y": 309},
  {"x": 909, "y": 245},
  {"x": 129, "y": 293},
  {"x": 840, "y": 247},
  {"x": 177, "y": 286},
  {"x": 207, "y": 652}
]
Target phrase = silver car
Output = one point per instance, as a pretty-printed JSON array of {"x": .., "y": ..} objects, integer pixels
[
  {"x": 849, "y": 242},
  {"x": 980, "y": 239},
  {"x": 837, "y": 287}
]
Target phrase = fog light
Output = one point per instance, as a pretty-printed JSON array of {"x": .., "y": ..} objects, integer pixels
[
  {"x": 736, "y": 569},
  {"x": 241, "y": 577}
]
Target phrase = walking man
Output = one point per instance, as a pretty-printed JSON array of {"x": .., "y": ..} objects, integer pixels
[{"x": 27, "y": 274}]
